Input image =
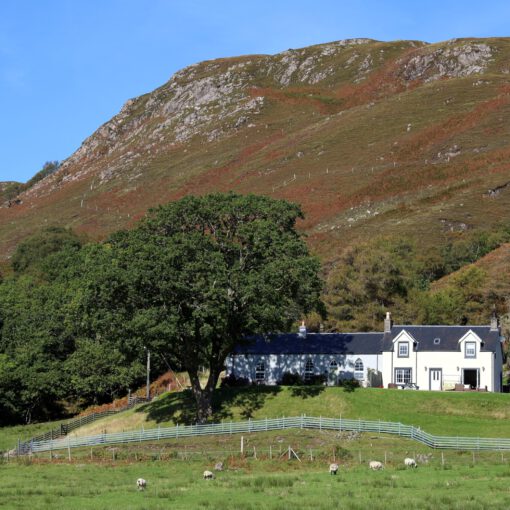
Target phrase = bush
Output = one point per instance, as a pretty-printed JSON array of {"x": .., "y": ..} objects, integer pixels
[
  {"x": 290, "y": 379},
  {"x": 316, "y": 379},
  {"x": 349, "y": 385},
  {"x": 231, "y": 381}
]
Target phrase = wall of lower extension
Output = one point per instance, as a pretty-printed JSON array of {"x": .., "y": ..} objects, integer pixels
[{"x": 364, "y": 367}]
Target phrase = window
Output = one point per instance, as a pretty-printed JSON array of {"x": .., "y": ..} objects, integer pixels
[
  {"x": 437, "y": 341},
  {"x": 470, "y": 350},
  {"x": 358, "y": 370},
  {"x": 260, "y": 371},
  {"x": 403, "y": 349},
  {"x": 309, "y": 369},
  {"x": 403, "y": 375},
  {"x": 333, "y": 366}
]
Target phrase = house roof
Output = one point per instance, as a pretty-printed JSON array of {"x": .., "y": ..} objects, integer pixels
[
  {"x": 313, "y": 343},
  {"x": 368, "y": 343},
  {"x": 449, "y": 336}
]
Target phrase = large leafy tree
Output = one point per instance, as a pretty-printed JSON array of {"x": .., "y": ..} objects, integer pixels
[{"x": 200, "y": 275}]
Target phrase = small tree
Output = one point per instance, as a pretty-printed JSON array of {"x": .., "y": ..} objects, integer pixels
[{"x": 203, "y": 273}]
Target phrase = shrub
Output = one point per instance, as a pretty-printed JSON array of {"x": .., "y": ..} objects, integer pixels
[
  {"x": 349, "y": 385},
  {"x": 316, "y": 379},
  {"x": 290, "y": 379},
  {"x": 231, "y": 381}
]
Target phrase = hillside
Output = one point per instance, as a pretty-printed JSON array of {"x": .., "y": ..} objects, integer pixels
[
  {"x": 437, "y": 413},
  {"x": 398, "y": 138}
]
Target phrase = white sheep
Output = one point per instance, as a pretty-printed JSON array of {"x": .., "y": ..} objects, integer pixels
[
  {"x": 218, "y": 466},
  {"x": 208, "y": 475},
  {"x": 410, "y": 462},
  {"x": 141, "y": 484},
  {"x": 375, "y": 465},
  {"x": 333, "y": 468}
]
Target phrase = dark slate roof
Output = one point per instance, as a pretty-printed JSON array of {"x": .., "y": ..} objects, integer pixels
[
  {"x": 313, "y": 343},
  {"x": 449, "y": 337}
]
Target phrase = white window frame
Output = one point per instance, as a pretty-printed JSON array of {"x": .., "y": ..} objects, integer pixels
[
  {"x": 309, "y": 369},
  {"x": 359, "y": 373},
  {"x": 468, "y": 353},
  {"x": 260, "y": 371},
  {"x": 401, "y": 352},
  {"x": 333, "y": 365},
  {"x": 403, "y": 375}
]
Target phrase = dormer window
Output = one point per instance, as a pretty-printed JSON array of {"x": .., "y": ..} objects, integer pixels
[
  {"x": 403, "y": 349},
  {"x": 470, "y": 350}
]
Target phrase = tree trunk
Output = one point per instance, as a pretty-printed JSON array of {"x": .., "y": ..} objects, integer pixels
[{"x": 203, "y": 396}]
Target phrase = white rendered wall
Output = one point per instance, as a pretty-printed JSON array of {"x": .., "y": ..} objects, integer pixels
[{"x": 276, "y": 365}]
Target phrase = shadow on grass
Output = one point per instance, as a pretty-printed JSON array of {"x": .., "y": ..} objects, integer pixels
[
  {"x": 247, "y": 400},
  {"x": 180, "y": 408},
  {"x": 306, "y": 391}
]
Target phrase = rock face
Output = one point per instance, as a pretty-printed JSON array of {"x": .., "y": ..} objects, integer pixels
[{"x": 447, "y": 62}]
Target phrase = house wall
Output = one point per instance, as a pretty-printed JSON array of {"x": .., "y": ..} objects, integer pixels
[
  {"x": 276, "y": 365},
  {"x": 451, "y": 364}
]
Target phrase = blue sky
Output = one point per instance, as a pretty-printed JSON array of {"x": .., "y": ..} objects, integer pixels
[{"x": 67, "y": 66}]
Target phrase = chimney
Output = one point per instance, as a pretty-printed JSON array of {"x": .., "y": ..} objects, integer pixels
[
  {"x": 302, "y": 330},
  {"x": 494, "y": 321},
  {"x": 388, "y": 323}
]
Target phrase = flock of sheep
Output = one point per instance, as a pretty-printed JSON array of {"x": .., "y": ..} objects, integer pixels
[{"x": 375, "y": 465}]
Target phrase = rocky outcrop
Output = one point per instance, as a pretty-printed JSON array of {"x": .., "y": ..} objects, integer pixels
[{"x": 447, "y": 62}]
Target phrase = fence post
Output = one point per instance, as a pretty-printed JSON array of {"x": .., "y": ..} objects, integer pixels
[
  {"x": 177, "y": 432},
  {"x": 320, "y": 422}
]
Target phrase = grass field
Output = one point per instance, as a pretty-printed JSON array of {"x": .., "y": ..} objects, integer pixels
[
  {"x": 247, "y": 483},
  {"x": 456, "y": 414},
  {"x": 264, "y": 477}
]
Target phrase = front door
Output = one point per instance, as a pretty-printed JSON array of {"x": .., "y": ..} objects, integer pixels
[{"x": 436, "y": 379}]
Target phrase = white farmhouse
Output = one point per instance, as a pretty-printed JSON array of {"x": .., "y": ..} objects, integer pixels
[
  {"x": 443, "y": 357},
  {"x": 265, "y": 359},
  {"x": 423, "y": 357}
]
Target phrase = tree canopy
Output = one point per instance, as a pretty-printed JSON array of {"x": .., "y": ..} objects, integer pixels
[{"x": 200, "y": 275}]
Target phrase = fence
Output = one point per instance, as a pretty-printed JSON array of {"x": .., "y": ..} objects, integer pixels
[
  {"x": 69, "y": 426},
  {"x": 304, "y": 422}
]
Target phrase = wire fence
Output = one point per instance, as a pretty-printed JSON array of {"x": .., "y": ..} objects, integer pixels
[
  {"x": 252, "y": 426},
  {"x": 66, "y": 428}
]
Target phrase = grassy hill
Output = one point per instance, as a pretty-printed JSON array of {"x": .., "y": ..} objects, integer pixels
[{"x": 470, "y": 414}]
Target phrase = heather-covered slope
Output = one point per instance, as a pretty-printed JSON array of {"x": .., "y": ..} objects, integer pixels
[{"x": 397, "y": 138}]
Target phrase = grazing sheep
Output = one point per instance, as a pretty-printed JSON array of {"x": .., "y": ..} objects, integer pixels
[
  {"x": 333, "y": 468},
  {"x": 141, "y": 484},
  {"x": 208, "y": 475},
  {"x": 218, "y": 466},
  {"x": 375, "y": 465},
  {"x": 410, "y": 462}
]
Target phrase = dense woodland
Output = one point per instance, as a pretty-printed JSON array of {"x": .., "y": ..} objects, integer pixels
[{"x": 75, "y": 316}]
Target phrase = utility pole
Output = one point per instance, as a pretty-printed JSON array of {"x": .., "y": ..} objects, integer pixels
[{"x": 148, "y": 374}]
